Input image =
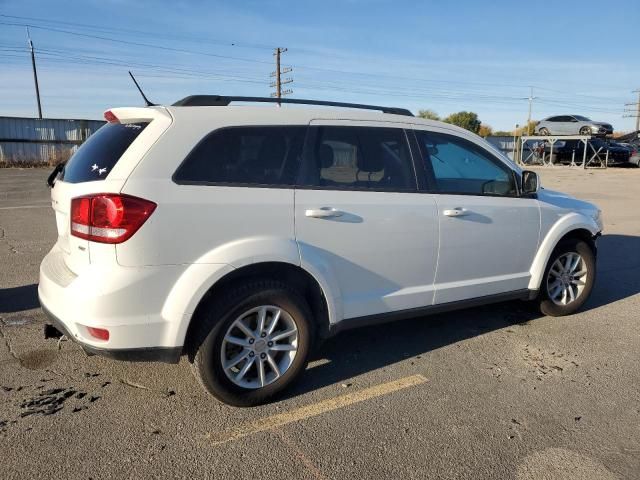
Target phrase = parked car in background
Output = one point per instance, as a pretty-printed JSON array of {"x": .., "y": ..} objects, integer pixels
[
  {"x": 572, "y": 125},
  {"x": 566, "y": 150},
  {"x": 635, "y": 152}
]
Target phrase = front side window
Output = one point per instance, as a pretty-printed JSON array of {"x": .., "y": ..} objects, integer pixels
[
  {"x": 363, "y": 158},
  {"x": 245, "y": 156},
  {"x": 457, "y": 166}
]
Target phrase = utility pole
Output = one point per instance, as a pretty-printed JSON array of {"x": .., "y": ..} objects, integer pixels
[
  {"x": 35, "y": 73},
  {"x": 279, "y": 82},
  {"x": 635, "y": 115},
  {"x": 530, "y": 98}
]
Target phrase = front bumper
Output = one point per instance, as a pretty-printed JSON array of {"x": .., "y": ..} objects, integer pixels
[{"x": 601, "y": 130}]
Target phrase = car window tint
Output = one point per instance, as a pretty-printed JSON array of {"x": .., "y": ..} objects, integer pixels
[
  {"x": 362, "y": 158},
  {"x": 245, "y": 155},
  {"x": 456, "y": 165},
  {"x": 95, "y": 159}
]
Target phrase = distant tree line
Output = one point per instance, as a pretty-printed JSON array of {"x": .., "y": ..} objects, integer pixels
[{"x": 471, "y": 122}]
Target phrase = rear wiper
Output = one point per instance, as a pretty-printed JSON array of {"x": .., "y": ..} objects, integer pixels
[{"x": 51, "y": 179}]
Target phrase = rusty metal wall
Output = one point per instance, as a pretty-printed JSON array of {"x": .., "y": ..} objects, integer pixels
[{"x": 33, "y": 141}]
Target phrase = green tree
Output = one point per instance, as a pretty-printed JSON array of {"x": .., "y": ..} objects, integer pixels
[
  {"x": 524, "y": 130},
  {"x": 485, "y": 130},
  {"x": 466, "y": 120},
  {"x": 428, "y": 114}
]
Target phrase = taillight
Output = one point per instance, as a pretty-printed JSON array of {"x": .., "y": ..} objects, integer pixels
[
  {"x": 110, "y": 117},
  {"x": 108, "y": 218}
]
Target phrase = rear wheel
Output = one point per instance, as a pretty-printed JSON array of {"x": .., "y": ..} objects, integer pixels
[
  {"x": 568, "y": 278},
  {"x": 252, "y": 343}
]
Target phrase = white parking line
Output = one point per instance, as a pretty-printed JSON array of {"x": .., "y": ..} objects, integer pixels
[
  {"x": 17, "y": 207},
  {"x": 315, "y": 409}
]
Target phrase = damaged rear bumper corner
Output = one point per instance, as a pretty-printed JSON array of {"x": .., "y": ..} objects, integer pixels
[{"x": 146, "y": 354}]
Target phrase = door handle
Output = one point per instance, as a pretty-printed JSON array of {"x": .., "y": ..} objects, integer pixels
[
  {"x": 456, "y": 212},
  {"x": 324, "y": 212}
]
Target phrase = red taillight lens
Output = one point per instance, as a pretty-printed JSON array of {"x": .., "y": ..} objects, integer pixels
[
  {"x": 108, "y": 218},
  {"x": 110, "y": 117},
  {"x": 99, "y": 333}
]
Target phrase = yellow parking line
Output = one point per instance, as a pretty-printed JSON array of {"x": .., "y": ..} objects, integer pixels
[{"x": 315, "y": 409}]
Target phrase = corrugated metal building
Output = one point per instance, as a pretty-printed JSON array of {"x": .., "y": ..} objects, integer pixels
[{"x": 48, "y": 141}]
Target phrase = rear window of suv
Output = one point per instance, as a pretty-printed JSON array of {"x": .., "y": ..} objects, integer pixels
[
  {"x": 95, "y": 159},
  {"x": 267, "y": 155}
]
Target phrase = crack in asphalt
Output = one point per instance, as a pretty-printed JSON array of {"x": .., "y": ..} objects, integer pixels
[{"x": 8, "y": 344}]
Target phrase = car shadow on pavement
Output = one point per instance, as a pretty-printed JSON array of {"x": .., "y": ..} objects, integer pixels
[
  {"x": 361, "y": 350},
  {"x": 17, "y": 299},
  {"x": 618, "y": 270},
  {"x": 358, "y": 351}
]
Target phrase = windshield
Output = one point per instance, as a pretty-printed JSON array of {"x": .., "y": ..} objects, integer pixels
[{"x": 581, "y": 118}]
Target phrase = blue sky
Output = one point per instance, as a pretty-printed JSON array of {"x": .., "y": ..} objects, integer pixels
[{"x": 580, "y": 56}]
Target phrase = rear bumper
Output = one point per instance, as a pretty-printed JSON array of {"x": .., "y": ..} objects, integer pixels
[
  {"x": 144, "y": 354},
  {"x": 126, "y": 301}
]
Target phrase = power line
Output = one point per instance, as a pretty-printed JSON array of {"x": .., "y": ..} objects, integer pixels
[
  {"x": 53, "y": 55},
  {"x": 138, "y": 44},
  {"x": 164, "y": 35},
  {"x": 417, "y": 79}
]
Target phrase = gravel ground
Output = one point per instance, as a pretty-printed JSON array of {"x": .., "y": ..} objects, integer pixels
[{"x": 508, "y": 393}]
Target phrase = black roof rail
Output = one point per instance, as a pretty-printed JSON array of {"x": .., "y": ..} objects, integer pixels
[{"x": 223, "y": 101}]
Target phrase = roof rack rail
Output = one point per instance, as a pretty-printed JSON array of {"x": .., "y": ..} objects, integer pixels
[{"x": 223, "y": 101}]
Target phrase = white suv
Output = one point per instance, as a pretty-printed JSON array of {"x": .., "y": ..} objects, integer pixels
[{"x": 240, "y": 236}]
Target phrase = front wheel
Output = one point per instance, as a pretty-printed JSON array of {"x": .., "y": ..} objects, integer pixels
[
  {"x": 568, "y": 278},
  {"x": 585, "y": 131},
  {"x": 543, "y": 131},
  {"x": 252, "y": 343}
]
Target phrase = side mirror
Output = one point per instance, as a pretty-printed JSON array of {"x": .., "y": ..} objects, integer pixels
[{"x": 530, "y": 182}]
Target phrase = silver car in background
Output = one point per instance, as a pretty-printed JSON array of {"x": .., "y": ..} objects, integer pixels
[{"x": 572, "y": 125}]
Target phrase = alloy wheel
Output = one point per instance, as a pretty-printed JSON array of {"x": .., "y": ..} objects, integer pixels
[
  {"x": 259, "y": 346},
  {"x": 567, "y": 278}
]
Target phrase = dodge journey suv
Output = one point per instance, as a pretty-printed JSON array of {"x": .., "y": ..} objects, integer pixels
[{"x": 241, "y": 236}]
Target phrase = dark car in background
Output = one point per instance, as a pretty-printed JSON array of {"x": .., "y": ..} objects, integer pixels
[
  {"x": 564, "y": 151},
  {"x": 635, "y": 152}
]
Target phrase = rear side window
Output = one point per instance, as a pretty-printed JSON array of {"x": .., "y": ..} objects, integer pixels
[
  {"x": 363, "y": 158},
  {"x": 245, "y": 156},
  {"x": 95, "y": 159}
]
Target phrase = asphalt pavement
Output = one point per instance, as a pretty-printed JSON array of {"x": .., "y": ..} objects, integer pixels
[{"x": 497, "y": 392}]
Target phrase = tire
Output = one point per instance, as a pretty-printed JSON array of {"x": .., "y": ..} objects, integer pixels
[
  {"x": 543, "y": 131},
  {"x": 245, "y": 303},
  {"x": 585, "y": 131},
  {"x": 551, "y": 299}
]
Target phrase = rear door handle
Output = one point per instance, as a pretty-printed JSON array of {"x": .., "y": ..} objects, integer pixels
[
  {"x": 324, "y": 212},
  {"x": 456, "y": 212}
]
